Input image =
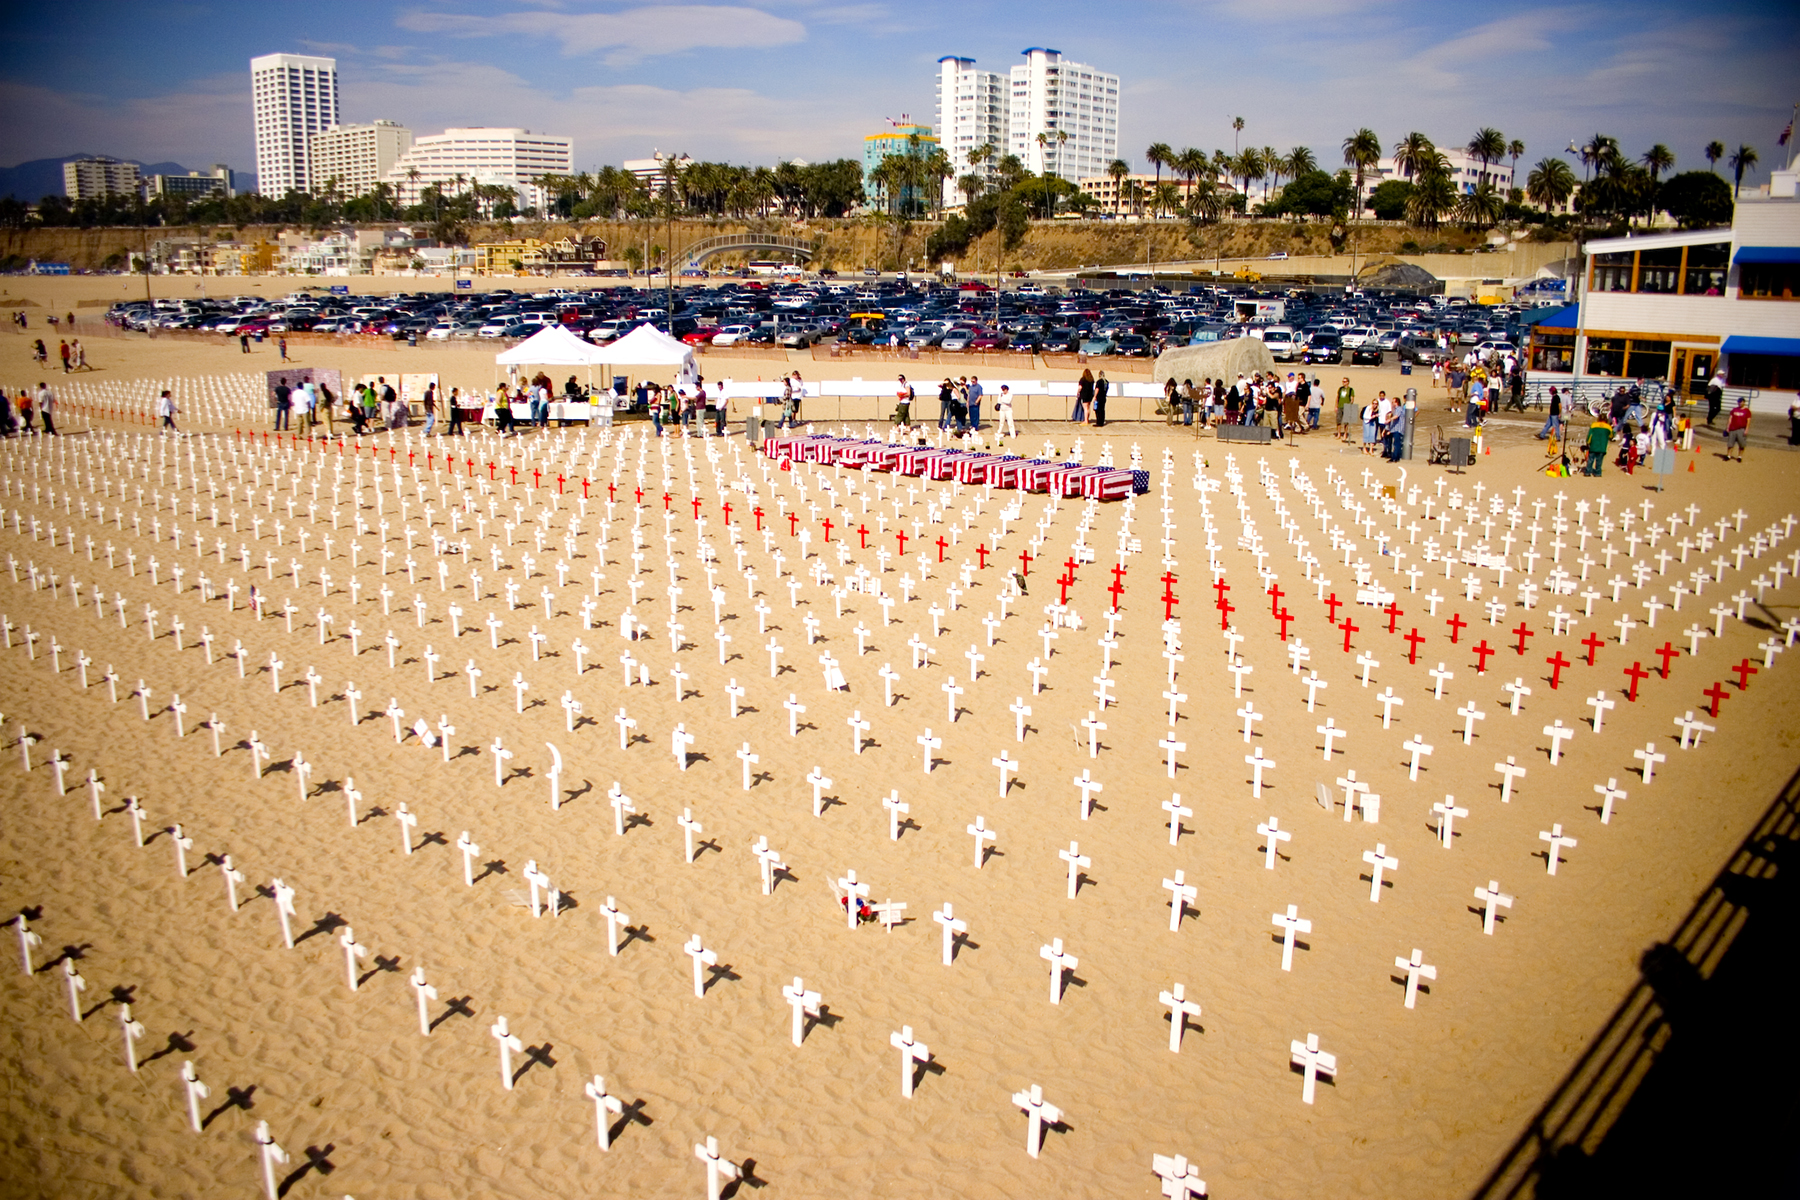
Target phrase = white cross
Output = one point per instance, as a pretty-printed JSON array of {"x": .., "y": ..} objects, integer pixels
[
  {"x": 910, "y": 1052},
  {"x": 469, "y": 850},
  {"x": 1059, "y": 962},
  {"x": 1691, "y": 730},
  {"x": 896, "y": 809},
  {"x": 858, "y": 727},
  {"x": 953, "y": 925},
  {"x": 1492, "y": 898},
  {"x": 889, "y": 677},
  {"x": 1649, "y": 757},
  {"x": 1518, "y": 691},
  {"x": 689, "y": 827},
  {"x": 1312, "y": 684},
  {"x": 1558, "y": 733},
  {"x": 804, "y": 1004},
  {"x": 769, "y": 861},
  {"x": 604, "y": 1105},
  {"x": 819, "y": 784},
  {"x": 982, "y": 835},
  {"x": 1180, "y": 1009},
  {"x": 1180, "y": 892},
  {"x": 1379, "y": 860},
  {"x": 1388, "y": 700},
  {"x": 1610, "y": 793},
  {"x": 1447, "y": 812},
  {"x": 353, "y": 950},
  {"x": 1439, "y": 678},
  {"x": 1554, "y": 836},
  {"x": 1417, "y": 749},
  {"x": 853, "y": 892},
  {"x": 1008, "y": 767},
  {"x": 794, "y": 709},
  {"x": 679, "y": 741},
  {"x": 614, "y": 919},
  {"x": 1257, "y": 764},
  {"x": 1368, "y": 663},
  {"x": 1330, "y": 732},
  {"x": 703, "y": 958},
  {"x": 1313, "y": 1063},
  {"x": 1291, "y": 922},
  {"x": 1600, "y": 704},
  {"x": 1038, "y": 1113},
  {"x": 407, "y": 821},
  {"x": 271, "y": 1153},
  {"x": 1414, "y": 967},
  {"x": 929, "y": 744},
  {"x": 1273, "y": 835},
  {"x": 1509, "y": 771}
]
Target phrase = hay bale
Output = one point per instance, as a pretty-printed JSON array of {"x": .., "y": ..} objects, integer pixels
[{"x": 1215, "y": 360}]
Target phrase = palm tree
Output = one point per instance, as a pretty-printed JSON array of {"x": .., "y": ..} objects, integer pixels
[
  {"x": 970, "y": 186},
  {"x": 1274, "y": 164},
  {"x": 1411, "y": 153},
  {"x": 1249, "y": 165},
  {"x": 1714, "y": 152},
  {"x": 1742, "y": 159},
  {"x": 1167, "y": 197},
  {"x": 1191, "y": 164},
  {"x": 1657, "y": 159},
  {"x": 1514, "y": 149},
  {"x": 1433, "y": 193},
  {"x": 1486, "y": 146},
  {"x": 1159, "y": 155},
  {"x": 1481, "y": 207},
  {"x": 1550, "y": 184},
  {"x": 1300, "y": 160},
  {"x": 412, "y": 178},
  {"x": 1362, "y": 150},
  {"x": 1237, "y": 127},
  {"x": 1118, "y": 169},
  {"x": 1600, "y": 152}
]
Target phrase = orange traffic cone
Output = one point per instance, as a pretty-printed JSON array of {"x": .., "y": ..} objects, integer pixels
[{"x": 1690, "y": 466}]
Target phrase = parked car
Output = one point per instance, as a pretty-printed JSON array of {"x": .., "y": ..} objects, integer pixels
[
  {"x": 731, "y": 335},
  {"x": 1136, "y": 345},
  {"x": 1322, "y": 348},
  {"x": 1368, "y": 353},
  {"x": 1419, "y": 350},
  {"x": 799, "y": 337},
  {"x": 440, "y": 332}
]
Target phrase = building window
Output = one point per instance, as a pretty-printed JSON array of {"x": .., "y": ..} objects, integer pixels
[
  {"x": 1553, "y": 352},
  {"x": 1706, "y": 267},
  {"x": 1612, "y": 272},
  {"x": 1774, "y": 371},
  {"x": 1659, "y": 271},
  {"x": 1769, "y": 281},
  {"x": 1606, "y": 356},
  {"x": 1647, "y": 360}
]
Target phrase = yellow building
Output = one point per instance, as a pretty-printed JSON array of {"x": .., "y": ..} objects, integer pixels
[{"x": 534, "y": 254}]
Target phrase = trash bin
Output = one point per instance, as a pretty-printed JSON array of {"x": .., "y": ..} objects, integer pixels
[
  {"x": 1405, "y": 368},
  {"x": 1459, "y": 453}
]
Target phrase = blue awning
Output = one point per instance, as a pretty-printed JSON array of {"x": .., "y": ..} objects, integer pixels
[
  {"x": 1562, "y": 318},
  {"x": 1767, "y": 254},
  {"x": 1782, "y": 347}
]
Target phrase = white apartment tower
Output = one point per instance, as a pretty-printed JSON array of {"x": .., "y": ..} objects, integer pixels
[
  {"x": 514, "y": 157},
  {"x": 357, "y": 156},
  {"x": 293, "y": 96},
  {"x": 1052, "y": 96},
  {"x": 972, "y": 111}
]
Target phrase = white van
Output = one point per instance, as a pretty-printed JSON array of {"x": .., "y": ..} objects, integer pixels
[{"x": 1280, "y": 340}]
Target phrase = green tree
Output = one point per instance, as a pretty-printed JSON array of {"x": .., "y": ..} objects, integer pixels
[
  {"x": 1362, "y": 151},
  {"x": 1411, "y": 153},
  {"x": 1657, "y": 159},
  {"x": 1550, "y": 183},
  {"x": 1117, "y": 170},
  {"x": 1237, "y": 127},
  {"x": 1696, "y": 199},
  {"x": 1159, "y": 155},
  {"x": 1481, "y": 207},
  {"x": 1433, "y": 194},
  {"x": 1486, "y": 147},
  {"x": 1388, "y": 200},
  {"x": 1315, "y": 194},
  {"x": 1714, "y": 152}
]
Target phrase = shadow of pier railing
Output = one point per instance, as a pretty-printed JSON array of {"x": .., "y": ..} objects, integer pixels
[{"x": 1688, "y": 1088}]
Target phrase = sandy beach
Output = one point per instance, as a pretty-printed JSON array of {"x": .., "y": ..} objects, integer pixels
[{"x": 1425, "y": 1101}]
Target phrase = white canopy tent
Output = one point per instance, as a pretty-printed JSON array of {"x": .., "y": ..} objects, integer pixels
[
  {"x": 551, "y": 346},
  {"x": 648, "y": 346}
]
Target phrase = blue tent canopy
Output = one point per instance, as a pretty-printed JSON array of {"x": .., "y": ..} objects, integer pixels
[
  {"x": 1767, "y": 254},
  {"x": 1781, "y": 347}
]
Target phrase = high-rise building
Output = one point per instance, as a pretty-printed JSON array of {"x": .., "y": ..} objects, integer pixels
[
  {"x": 1053, "y": 96},
  {"x": 357, "y": 156},
  {"x": 294, "y": 96},
  {"x": 903, "y": 138},
  {"x": 651, "y": 172},
  {"x": 459, "y": 158},
  {"x": 972, "y": 112},
  {"x": 95, "y": 178}
]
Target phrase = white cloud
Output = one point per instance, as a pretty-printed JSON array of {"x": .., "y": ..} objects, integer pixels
[{"x": 625, "y": 36}]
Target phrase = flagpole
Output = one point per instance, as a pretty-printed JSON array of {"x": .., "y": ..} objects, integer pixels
[{"x": 1793, "y": 145}]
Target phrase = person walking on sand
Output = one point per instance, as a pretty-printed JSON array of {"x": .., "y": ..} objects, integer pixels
[
  {"x": 80, "y": 353},
  {"x": 244, "y": 342},
  {"x": 46, "y": 402},
  {"x": 283, "y": 344},
  {"x": 165, "y": 409},
  {"x": 63, "y": 350},
  {"x": 1084, "y": 396},
  {"x": 430, "y": 408},
  {"x": 1737, "y": 427}
]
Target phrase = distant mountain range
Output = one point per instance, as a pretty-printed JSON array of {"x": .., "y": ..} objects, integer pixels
[{"x": 32, "y": 181}]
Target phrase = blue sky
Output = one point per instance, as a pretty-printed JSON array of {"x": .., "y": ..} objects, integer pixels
[{"x": 760, "y": 80}]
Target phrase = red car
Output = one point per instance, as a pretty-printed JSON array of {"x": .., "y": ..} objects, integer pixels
[
  {"x": 702, "y": 336},
  {"x": 989, "y": 339}
]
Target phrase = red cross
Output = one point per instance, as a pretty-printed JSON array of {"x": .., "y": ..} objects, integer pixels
[
  {"x": 666, "y": 499},
  {"x": 1169, "y": 601},
  {"x": 639, "y": 493},
  {"x": 515, "y": 473},
  {"x": 490, "y": 472},
  {"x": 1115, "y": 591},
  {"x": 1275, "y": 595},
  {"x": 1394, "y": 613},
  {"x": 584, "y": 488},
  {"x": 410, "y": 455},
  {"x": 537, "y": 478},
  {"x": 1349, "y": 628},
  {"x": 1333, "y": 603},
  {"x": 1666, "y": 652},
  {"x": 1717, "y": 692},
  {"x": 696, "y": 503},
  {"x": 612, "y": 492},
  {"x": 1483, "y": 652},
  {"x": 1069, "y": 567},
  {"x": 726, "y": 509},
  {"x": 793, "y": 523},
  {"x": 982, "y": 552},
  {"x": 941, "y": 543},
  {"x": 1593, "y": 644},
  {"x": 560, "y": 480},
  {"x": 1226, "y": 608},
  {"x": 862, "y": 536},
  {"x": 900, "y": 536},
  {"x": 1286, "y": 618},
  {"x": 1638, "y": 675},
  {"x": 1557, "y": 663},
  {"x": 825, "y": 525},
  {"x": 1457, "y": 625},
  {"x": 1744, "y": 671},
  {"x": 1025, "y": 562},
  {"x": 1220, "y": 586},
  {"x": 1064, "y": 583},
  {"x": 1522, "y": 632},
  {"x": 471, "y": 465},
  {"x": 757, "y": 512},
  {"x": 1412, "y": 641},
  {"x": 428, "y": 458},
  {"x": 1118, "y": 574}
]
